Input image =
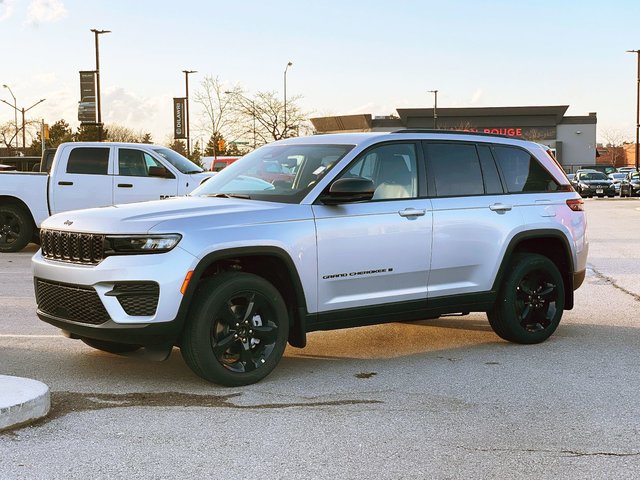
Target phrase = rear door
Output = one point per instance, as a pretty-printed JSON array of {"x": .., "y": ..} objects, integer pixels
[
  {"x": 473, "y": 217},
  {"x": 84, "y": 181},
  {"x": 132, "y": 180}
]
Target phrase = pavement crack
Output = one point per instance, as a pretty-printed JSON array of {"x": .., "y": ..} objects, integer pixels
[
  {"x": 611, "y": 281},
  {"x": 567, "y": 453},
  {"x": 64, "y": 403}
]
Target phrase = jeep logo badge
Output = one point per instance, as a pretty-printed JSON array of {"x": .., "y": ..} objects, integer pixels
[{"x": 68, "y": 222}]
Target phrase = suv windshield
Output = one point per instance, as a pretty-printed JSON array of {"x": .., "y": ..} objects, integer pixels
[
  {"x": 593, "y": 176},
  {"x": 277, "y": 173},
  {"x": 174, "y": 158}
]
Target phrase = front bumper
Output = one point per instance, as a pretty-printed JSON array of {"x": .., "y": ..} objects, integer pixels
[{"x": 88, "y": 300}]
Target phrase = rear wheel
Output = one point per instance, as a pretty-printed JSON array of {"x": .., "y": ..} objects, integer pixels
[
  {"x": 237, "y": 330},
  {"x": 16, "y": 228},
  {"x": 530, "y": 302}
]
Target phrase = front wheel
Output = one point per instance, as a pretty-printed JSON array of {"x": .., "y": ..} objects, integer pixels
[
  {"x": 237, "y": 329},
  {"x": 530, "y": 302}
]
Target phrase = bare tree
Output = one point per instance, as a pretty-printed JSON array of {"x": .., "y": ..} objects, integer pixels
[
  {"x": 614, "y": 138},
  {"x": 120, "y": 133},
  {"x": 218, "y": 115}
]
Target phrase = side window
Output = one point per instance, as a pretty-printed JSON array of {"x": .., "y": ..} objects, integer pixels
[
  {"x": 456, "y": 169},
  {"x": 150, "y": 161},
  {"x": 522, "y": 172},
  {"x": 392, "y": 168},
  {"x": 132, "y": 163},
  {"x": 88, "y": 161},
  {"x": 492, "y": 183}
]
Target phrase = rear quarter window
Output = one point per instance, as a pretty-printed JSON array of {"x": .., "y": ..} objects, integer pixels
[{"x": 522, "y": 172}]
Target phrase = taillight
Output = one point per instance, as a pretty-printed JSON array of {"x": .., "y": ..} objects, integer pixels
[{"x": 576, "y": 204}]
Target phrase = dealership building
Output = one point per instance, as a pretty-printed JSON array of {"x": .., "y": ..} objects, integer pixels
[{"x": 573, "y": 138}]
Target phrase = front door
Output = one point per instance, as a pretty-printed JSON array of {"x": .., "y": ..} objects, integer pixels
[
  {"x": 132, "y": 181},
  {"x": 376, "y": 252}
]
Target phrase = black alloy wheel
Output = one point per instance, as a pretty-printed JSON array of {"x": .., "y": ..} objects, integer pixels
[
  {"x": 16, "y": 228},
  {"x": 531, "y": 301},
  {"x": 237, "y": 329}
]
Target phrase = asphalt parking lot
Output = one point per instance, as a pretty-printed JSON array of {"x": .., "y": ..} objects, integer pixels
[{"x": 444, "y": 398}]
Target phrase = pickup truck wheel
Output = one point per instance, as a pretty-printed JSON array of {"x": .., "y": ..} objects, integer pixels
[
  {"x": 237, "y": 329},
  {"x": 16, "y": 228},
  {"x": 110, "y": 347},
  {"x": 530, "y": 302}
]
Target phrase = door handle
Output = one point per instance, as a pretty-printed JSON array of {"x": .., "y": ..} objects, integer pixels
[
  {"x": 125, "y": 185},
  {"x": 411, "y": 212},
  {"x": 500, "y": 207},
  {"x": 65, "y": 183}
]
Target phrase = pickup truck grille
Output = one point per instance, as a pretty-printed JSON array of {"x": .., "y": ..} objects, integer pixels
[
  {"x": 72, "y": 247},
  {"x": 71, "y": 302}
]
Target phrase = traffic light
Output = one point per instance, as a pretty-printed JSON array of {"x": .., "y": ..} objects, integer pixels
[
  {"x": 45, "y": 131},
  {"x": 221, "y": 145}
]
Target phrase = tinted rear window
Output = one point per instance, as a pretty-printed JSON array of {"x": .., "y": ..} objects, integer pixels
[
  {"x": 88, "y": 161},
  {"x": 522, "y": 172}
]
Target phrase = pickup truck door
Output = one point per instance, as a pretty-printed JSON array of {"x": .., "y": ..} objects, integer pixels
[
  {"x": 83, "y": 178},
  {"x": 376, "y": 252},
  {"x": 132, "y": 180}
]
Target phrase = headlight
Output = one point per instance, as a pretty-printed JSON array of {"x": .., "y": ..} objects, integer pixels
[
  {"x": 584, "y": 185},
  {"x": 122, "y": 244}
]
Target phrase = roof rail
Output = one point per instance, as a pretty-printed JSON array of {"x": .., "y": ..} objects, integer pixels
[{"x": 457, "y": 132}]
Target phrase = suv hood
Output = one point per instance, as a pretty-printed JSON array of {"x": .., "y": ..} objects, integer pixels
[{"x": 173, "y": 214}]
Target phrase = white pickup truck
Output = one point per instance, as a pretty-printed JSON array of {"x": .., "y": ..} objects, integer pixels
[{"x": 90, "y": 174}]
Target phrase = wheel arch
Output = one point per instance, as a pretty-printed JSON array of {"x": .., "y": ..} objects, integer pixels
[
  {"x": 271, "y": 263},
  {"x": 551, "y": 243}
]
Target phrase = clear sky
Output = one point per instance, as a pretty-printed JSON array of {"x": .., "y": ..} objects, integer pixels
[{"x": 349, "y": 56}]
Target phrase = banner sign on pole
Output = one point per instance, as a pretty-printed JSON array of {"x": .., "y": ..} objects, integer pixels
[{"x": 179, "y": 112}]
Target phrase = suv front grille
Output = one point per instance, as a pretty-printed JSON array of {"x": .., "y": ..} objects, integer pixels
[
  {"x": 71, "y": 302},
  {"x": 84, "y": 248}
]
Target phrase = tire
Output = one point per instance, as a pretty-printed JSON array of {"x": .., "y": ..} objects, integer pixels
[
  {"x": 110, "y": 347},
  {"x": 16, "y": 228},
  {"x": 530, "y": 302},
  {"x": 237, "y": 329}
]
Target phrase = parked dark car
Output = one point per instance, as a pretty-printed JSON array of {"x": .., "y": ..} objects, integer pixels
[
  {"x": 630, "y": 186},
  {"x": 593, "y": 184}
]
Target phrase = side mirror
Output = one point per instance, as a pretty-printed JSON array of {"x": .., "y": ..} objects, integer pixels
[
  {"x": 348, "y": 190},
  {"x": 160, "y": 172}
]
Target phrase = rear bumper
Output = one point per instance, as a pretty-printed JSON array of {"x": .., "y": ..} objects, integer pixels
[{"x": 578, "y": 279}]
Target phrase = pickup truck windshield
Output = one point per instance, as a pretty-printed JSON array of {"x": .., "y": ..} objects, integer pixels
[
  {"x": 277, "y": 173},
  {"x": 174, "y": 158}
]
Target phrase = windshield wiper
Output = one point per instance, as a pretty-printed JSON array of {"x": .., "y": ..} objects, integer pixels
[
  {"x": 230, "y": 195},
  {"x": 193, "y": 171}
]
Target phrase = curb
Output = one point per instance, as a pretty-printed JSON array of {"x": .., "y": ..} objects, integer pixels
[{"x": 22, "y": 401}]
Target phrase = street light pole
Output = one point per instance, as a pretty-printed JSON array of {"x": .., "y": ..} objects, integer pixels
[
  {"x": 637, "y": 52},
  {"x": 15, "y": 113},
  {"x": 435, "y": 108},
  {"x": 25, "y": 110},
  {"x": 284, "y": 130},
  {"x": 98, "y": 101},
  {"x": 186, "y": 80}
]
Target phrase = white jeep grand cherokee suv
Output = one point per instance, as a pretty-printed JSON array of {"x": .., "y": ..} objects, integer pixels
[{"x": 319, "y": 233}]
